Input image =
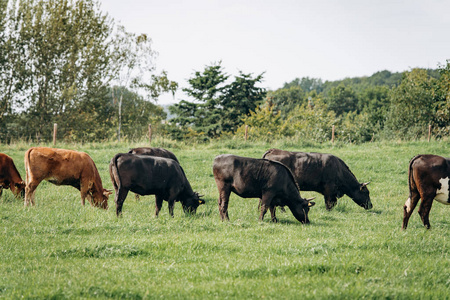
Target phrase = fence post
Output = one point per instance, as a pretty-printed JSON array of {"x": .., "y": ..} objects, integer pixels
[
  {"x": 332, "y": 133},
  {"x": 246, "y": 132},
  {"x": 150, "y": 134},
  {"x": 429, "y": 133},
  {"x": 55, "y": 129}
]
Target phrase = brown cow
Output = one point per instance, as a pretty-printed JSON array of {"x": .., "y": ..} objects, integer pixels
[
  {"x": 64, "y": 167},
  {"x": 10, "y": 177},
  {"x": 428, "y": 178}
]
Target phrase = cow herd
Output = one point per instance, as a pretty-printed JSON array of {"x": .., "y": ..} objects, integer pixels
[{"x": 276, "y": 179}]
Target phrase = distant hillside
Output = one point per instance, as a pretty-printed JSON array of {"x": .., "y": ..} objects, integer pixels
[{"x": 381, "y": 78}]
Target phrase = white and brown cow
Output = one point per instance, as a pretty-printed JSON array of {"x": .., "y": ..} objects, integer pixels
[
  {"x": 64, "y": 167},
  {"x": 10, "y": 177},
  {"x": 428, "y": 178}
]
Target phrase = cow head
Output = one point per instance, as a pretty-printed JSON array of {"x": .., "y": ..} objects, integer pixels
[
  {"x": 103, "y": 201},
  {"x": 18, "y": 189},
  {"x": 191, "y": 203},
  {"x": 361, "y": 196},
  {"x": 301, "y": 210}
]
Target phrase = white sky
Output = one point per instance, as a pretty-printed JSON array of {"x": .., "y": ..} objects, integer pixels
[{"x": 327, "y": 39}]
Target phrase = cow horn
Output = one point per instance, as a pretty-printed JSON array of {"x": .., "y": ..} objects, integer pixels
[
  {"x": 365, "y": 183},
  {"x": 310, "y": 199}
]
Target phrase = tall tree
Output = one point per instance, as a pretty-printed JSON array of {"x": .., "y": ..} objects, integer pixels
[
  {"x": 412, "y": 106},
  {"x": 218, "y": 107},
  {"x": 59, "y": 59},
  {"x": 134, "y": 69},
  {"x": 442, "y": 99}
]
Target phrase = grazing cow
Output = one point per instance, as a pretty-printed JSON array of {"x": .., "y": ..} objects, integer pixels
[
  {"x": 323, "y": 173},
  {"x": 64, "y": 167},
  {"x": 153, "y": 151},
  {"x": 270, "y": 181},
  {"x": 151, "y": 175},
  {"x": 10, "y": 177},
  {"x": 428, "y": 178}
]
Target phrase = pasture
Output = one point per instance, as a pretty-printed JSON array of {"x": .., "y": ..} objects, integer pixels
[{"x": 59, "y": 249}]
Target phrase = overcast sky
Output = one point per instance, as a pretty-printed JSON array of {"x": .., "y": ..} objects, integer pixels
[{"x": 327, "y": 39}]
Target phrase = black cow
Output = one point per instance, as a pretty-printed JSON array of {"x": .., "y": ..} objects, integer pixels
[
  {"x": 323, "y": 173},
  {"x": 270, "y": 181},
  {"x": 428, "y": 178},
  {"x": 153, "y": 151},
  {"x": 149, "y": 175}
]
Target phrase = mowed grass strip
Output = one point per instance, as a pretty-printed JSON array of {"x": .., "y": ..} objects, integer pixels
[{"x": 60, "y": 249}]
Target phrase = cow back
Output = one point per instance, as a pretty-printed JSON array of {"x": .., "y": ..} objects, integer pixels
[{"x": 153, "y": 151}]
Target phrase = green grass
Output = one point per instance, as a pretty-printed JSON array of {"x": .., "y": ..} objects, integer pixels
[{"x": 60, "y": 249}]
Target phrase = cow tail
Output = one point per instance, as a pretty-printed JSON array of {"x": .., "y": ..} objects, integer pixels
[
  {"x": 411, "y": 181},
  {"x": 27, "y": 166},
  {"x": 267, "y": 152},
  {"x": 114, "y": 172}
]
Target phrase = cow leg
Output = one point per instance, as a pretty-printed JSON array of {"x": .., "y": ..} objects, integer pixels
[
  {"x": 424, "y": 210},
  {"x": 409, "y": 206},
  {"x": 266, "y": 201},
  {"x": 85, "y": 193},
  {"x": 330, "y": 200},
  {"x": 136, "y": 196},
  {"x": 171, "y": 206},
  {"x": 224, "y": 198},
  {"x": 30, "y": 189},
  {"x": 158, "y": 203},
  {"x": 1, "y": 190},
  {"x": 272, "y": 214},
  {"x": 120, "y": 197}
]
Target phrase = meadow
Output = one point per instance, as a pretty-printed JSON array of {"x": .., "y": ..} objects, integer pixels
[{"x": 59, "y": 249}]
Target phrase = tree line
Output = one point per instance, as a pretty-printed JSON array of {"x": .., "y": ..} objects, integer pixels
[
  {"x": 67, "y": 62},
  {"x": 385, "y": 105}
]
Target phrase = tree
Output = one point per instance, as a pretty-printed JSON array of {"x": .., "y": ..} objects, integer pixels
[
  {"x": 412, "y": 106},
  {"x": 307, "y": 84},
  {"x": 286, "y": 99},
  {"x": 264, "y": 122},
  {"x": 134, "y": 68},
  {"x": 342, "y": 99},
  {"x": 310, "y": 123},
  {"x": 57, "y": 59},
  {"x": 442, "y": 99},
  {"x": 218, "y": 107},
  {"x": 374, "y": 102}
]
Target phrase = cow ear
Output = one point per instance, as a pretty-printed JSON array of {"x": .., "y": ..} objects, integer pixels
[
  {"x": 363, "y": 185},
  {"x": 107, "y": 192},
  {"x": 201, "y": 201},
  {"x": 311, "y": 203}
]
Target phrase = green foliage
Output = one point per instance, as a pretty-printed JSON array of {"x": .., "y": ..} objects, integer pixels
[
  {"x": 287, "y": 99},
  {"x": 342, "y": 99},
  {"x": 442, "y": 98},
  {"x": 219, "y": 107},
  {"x": 56, "y": 62},
  {"x": 412, "y": 106},
  {"x": 310, "y": 123},
  {"x": 264, "y": 123},
  {"x": 307, "y": 84},
  {"x": 60, "y": 249}
]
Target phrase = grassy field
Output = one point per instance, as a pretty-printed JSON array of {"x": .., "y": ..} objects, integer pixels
[{"x": 60, "y": 249}]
